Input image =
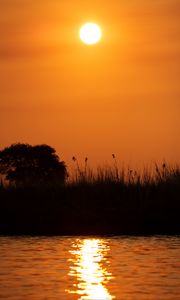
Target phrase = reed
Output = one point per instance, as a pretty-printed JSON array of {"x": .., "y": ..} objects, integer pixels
[
  {"x": 108, "y": 200},
  {"x": 155, "y": 175}
]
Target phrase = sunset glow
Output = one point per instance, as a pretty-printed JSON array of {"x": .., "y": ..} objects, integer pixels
[
  {"x": 89, "y": 149},
  {"x": 120, "y": 95}
]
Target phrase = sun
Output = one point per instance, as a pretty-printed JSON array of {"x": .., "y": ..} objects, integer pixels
[{"x": 90, "y": 33}]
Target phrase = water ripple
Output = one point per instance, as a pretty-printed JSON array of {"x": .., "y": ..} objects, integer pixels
[{"x": 69, "y": 268}]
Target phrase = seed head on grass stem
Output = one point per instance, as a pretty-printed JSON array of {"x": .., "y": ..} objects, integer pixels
[
  {"x": 78, "y": 170},
  {"x": 115, "y": 167}
]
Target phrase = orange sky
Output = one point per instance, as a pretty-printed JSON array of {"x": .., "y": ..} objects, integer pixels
[{"x": 120, "y": 96}]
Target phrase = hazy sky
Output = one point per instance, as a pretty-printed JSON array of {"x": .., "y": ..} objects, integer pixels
[{"x": 120, "y": 96}]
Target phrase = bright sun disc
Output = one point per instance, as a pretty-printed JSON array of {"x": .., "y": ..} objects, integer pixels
[{"x": 90, "y": 33}]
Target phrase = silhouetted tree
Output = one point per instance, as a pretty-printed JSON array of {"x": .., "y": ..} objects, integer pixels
[{"x": 26, "y": 165}]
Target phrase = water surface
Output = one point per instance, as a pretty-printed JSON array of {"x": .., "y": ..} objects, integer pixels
[{"x": 71, "y": 268}]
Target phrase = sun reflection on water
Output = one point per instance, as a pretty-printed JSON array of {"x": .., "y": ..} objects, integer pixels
[{"x": 89, "y": 262}]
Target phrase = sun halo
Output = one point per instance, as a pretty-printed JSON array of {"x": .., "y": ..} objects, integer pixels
[{"x": 90, "y": 33}]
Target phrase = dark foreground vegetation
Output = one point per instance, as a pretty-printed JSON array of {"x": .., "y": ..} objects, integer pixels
[{"x": 108, "y": 201}]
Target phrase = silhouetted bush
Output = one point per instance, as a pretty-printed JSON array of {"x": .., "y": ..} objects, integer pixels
[{"x": 24, "y": 165}]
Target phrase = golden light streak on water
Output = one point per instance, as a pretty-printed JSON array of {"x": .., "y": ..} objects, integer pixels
[{"x": 89, "y": 269}]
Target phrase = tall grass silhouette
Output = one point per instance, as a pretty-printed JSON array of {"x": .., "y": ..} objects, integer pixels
[
  {"x": 164, "y": 173},
  {"x": 106, "y": 200}
]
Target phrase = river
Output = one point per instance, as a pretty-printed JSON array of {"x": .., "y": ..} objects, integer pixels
[{"x": 90, "y": 268}]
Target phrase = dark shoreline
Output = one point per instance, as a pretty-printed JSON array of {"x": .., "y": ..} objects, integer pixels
[{"x": 104, "y": 209}]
